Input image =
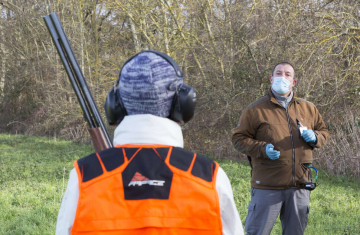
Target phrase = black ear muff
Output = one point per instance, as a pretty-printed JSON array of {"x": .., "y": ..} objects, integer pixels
[
  {"x": 183, "y": 105},
  {"x": 114, "y": 107}
]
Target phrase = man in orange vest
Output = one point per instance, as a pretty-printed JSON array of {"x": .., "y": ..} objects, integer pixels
[{"x": 147, "y": 183}]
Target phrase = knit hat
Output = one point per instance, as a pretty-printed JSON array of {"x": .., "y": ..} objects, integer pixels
[{"x": 144, "y": 85}]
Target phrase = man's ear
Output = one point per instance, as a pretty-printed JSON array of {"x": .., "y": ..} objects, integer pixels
[
  {"x": 271, "y": 79},
  {"x": 294, "y": 82}
]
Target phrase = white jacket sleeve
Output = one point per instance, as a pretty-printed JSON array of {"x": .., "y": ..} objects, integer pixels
[
  {"x": 68, "y": 206},
  {"x": 230, "y": 217}
]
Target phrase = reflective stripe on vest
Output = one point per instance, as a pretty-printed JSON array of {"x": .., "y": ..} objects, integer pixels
[{"x": 147, "y": 189}]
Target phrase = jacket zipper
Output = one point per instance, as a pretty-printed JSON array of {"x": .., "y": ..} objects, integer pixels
[
  {"x": 292, "y": 146},
  {"x": 292, "y": 143},
  {"x": 298, "y": 125}
]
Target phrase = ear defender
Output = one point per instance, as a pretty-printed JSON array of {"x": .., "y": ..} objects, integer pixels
[
  {"x": 114, "y": 108},
  {"x": 183, "y": 105}
]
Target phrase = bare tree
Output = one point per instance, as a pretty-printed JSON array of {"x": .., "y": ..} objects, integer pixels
[{"x": 227, "y": 50}]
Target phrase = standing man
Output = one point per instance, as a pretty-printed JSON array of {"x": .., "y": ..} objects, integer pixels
[
  {"x": 278, "y": 133},
  {"x": 148, "y": 184}
]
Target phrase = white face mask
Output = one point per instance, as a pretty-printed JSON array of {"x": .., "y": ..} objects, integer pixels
[{"x": 280, "y": 85}]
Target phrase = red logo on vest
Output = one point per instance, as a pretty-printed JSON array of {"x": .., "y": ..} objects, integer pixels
[{"x": 139, "y": 180}]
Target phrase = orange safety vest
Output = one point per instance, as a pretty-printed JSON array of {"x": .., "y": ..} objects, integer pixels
[{"x": 147, "y": 189}]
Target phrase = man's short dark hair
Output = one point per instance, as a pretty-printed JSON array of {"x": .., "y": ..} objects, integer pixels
[{"x": 283, "y": 63}]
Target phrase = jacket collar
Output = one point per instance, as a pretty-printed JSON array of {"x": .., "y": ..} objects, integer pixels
[
  {"x": 273, "y": 99},
  {"x": 148, "y": 129}
]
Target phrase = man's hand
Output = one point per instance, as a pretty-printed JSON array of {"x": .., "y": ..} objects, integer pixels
[
  {"x": 309, "y": 136},
  {"x": 271, "y": 153}
]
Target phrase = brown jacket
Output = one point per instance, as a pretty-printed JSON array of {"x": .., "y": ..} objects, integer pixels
[{"x": 265, "y": 121}]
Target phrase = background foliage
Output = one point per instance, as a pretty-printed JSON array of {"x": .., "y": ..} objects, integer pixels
[{"x": 226, "y": 48}]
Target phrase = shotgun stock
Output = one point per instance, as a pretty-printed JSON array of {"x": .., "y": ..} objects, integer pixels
[{"x": 98, "y": 132}]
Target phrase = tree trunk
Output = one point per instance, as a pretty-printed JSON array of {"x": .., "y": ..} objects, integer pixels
[
  {"x": 134, "y": 33},
  {"x": 3, "y": 51}
]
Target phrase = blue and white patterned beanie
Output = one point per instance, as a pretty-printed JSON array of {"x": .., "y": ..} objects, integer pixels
[{"x": 144, "y": 83}]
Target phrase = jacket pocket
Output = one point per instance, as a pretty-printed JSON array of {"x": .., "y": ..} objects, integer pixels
[
  {"x": 305, "y": 165},
  {"x": 302, "y": 173},
  {"x": 306, "y": 121},
  {"x": 275, "y": 173},
  {"x": 273, "y": 163}
]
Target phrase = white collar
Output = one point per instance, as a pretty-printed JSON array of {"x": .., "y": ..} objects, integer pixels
[{"x": 148, "y": 129}]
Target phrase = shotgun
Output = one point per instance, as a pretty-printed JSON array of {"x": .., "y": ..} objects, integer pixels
[{"x": 97, "y": 129}]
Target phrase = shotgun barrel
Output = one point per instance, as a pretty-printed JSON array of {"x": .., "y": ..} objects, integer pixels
[{"x": 97, "y": 128}]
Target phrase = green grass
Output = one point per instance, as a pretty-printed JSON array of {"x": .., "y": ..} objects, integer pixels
[
  {"x": 33, "y": 178},
  {"x": 34, "y": 173},
  {"x": 334, "y": 204}
]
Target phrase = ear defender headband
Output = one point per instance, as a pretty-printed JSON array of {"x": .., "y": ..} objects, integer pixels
[{"x": 183, "y": 105}]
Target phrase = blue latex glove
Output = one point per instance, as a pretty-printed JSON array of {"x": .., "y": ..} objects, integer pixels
[
  {"x": 309, "y": 136},
  {"x": 271, "y": 153}
]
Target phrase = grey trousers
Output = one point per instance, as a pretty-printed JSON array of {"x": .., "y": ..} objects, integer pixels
[{"x": 265, "y": 206}]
